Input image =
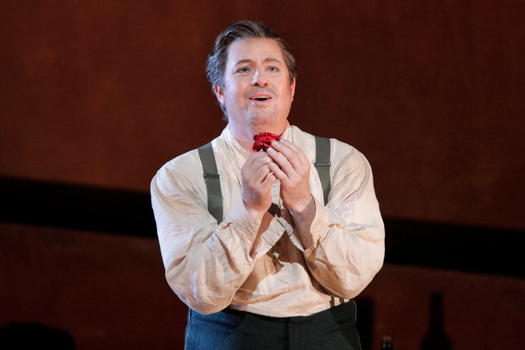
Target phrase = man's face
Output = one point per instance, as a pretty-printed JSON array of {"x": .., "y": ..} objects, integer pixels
[{"x": 257, "y": 92}]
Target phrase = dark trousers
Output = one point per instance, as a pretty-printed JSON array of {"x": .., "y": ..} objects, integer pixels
[{"x": 236, "y": 330}]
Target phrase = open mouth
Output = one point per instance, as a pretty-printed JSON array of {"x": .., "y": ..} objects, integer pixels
[{"x": 261, "y": 98}]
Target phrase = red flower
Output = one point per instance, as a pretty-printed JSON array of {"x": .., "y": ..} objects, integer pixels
[{"x": 263, "y": 141}]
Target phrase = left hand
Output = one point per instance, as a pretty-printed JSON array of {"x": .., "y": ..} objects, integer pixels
[{"x": 292, "y": 168}]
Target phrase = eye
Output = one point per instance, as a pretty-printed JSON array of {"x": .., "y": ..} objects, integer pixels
[
  {"x": 242, "y": 70},
  {"x": 273, "y": 69}
]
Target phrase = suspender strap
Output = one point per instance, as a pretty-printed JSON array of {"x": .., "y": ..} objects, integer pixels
[
  {"x": 213, "y": 184},
  {"x": 322, "y": 164}
]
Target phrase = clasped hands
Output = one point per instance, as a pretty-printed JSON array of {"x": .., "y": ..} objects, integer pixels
[{"x": 283, "y": 161}]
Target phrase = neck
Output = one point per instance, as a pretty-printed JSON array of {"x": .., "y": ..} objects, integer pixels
[{"x": 245, "y": 134}]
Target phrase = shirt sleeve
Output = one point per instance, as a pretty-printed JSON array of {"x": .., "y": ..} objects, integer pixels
[
  {"x": 205, "y": 262},
  {"x": 348, "y": 232}
]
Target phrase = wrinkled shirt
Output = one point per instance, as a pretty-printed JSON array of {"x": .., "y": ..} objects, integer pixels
[{"x": 211, "y": 265}]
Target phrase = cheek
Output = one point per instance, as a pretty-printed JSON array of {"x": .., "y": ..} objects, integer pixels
[
  {"x": 287, "y": 94},
  {"x": 236, "y": 90},
  {"x": 234, "y": 98}
]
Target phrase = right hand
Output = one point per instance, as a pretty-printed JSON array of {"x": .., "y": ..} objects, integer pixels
[{"x": 257, "y": 181}]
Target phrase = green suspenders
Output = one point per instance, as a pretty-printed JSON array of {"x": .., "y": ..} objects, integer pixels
[
  {"x": 322, "y": 164},
  {"x": 213, "y": 185}
]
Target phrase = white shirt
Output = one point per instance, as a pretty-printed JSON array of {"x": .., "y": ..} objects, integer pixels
[{"x": 211, "y": 266}]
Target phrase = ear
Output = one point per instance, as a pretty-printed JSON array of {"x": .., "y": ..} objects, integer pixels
[
  {"x": 219, "y": 93},
  {"x": 292, "y": 86}
]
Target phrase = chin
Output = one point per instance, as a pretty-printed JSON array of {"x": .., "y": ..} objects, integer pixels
[{"x": 266, "y": 121}]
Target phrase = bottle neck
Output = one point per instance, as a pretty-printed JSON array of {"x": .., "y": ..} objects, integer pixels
[{"x": 387, "y": 343}]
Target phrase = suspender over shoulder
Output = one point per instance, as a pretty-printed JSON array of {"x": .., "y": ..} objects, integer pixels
[
  {"x": 322, "y": 164},
  {"x": 213, "y": 185}
]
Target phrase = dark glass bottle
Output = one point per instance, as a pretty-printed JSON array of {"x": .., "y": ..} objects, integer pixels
[
  {"x": 436, "y": 338},
  {"x": 387, "y": 343}
]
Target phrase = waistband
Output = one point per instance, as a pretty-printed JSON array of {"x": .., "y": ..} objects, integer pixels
[{"x": 346, "y": 312}]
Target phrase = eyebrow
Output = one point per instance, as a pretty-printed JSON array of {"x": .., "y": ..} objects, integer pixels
[{"x": 266, "y": 60}]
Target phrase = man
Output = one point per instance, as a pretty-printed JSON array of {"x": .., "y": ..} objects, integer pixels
[{"x": 278, "y": 268}]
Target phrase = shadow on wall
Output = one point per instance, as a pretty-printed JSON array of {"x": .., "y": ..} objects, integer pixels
[
  {"x": 129, "y": 212},
  {"x": 26, "y": 335},
  {"x": 365, "y": 321}
]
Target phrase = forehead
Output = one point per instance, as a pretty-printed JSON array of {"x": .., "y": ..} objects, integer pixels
[{"x": 254, "y": 49}]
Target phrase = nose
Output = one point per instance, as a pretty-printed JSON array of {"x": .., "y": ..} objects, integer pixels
[{"x": 259, "y": 79}]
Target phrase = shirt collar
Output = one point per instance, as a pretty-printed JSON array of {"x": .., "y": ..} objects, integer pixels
[{"x": 241, "y": 153}]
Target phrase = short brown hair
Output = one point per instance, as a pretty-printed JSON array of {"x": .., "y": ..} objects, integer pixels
[{"x": 217, "y": 58}]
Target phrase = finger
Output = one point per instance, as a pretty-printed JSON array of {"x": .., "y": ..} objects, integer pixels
[
  {"x": 298, "y": 151},
  {"x": 256, "y": 157},
  {"x": 261, "y": 173},
  {"x": 254, "y": 164},
  {"x": 268, "y": 181},
  {"x": 277, "y": 172},
  {"x": 282, "y": 161},
  {"x": 261, "y": 159},
  {"x": 294, "y": 155}
]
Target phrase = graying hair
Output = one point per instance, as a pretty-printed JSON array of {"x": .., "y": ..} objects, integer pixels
[{"x": 216, "y": 64}]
